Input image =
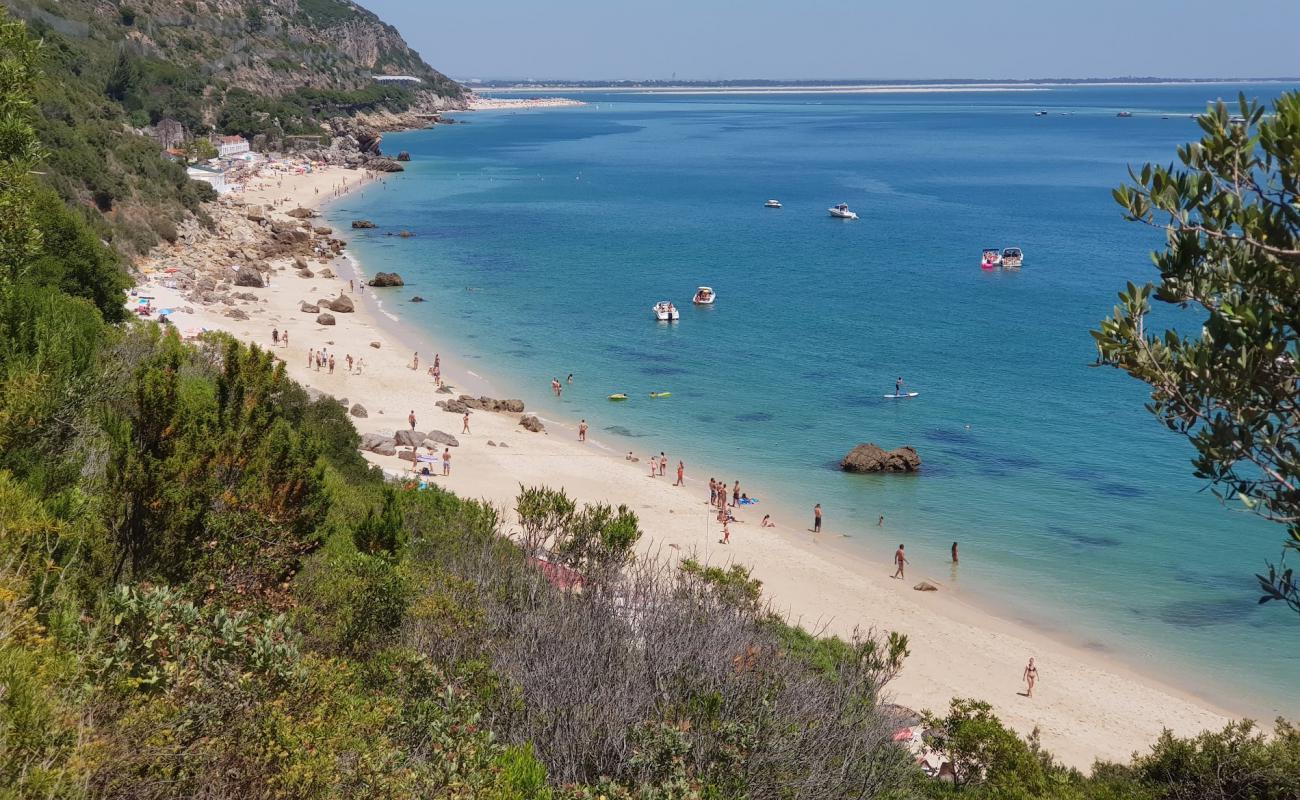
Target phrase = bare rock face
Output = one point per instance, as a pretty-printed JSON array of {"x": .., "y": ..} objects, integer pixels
[
  {"x": 325, "y": 319},
  {"x": 249, "y": 277},
  {"x": 301, "y": 213},
  {"x": 407, "y": 438},
  {"x": 384, "y": 165},
  {"x": 404, "y": 156},
  {"x": 383, "y": 279},
  {"x": 512, "y": 406},
  {"x": 358, "y": 410},
  {"x": 871, "y": 458},
  {"x": 436, "y": 438},
  {"x": 322, "y": 230},
  {"x": 236, "y": 313},
  {"x": 308, "y": 308},
  {"x": 362, "y": 223},
  {"x": 532, "y": 423},
  {"x": 385, "y": 449},
  {"x": 342, "y": 304}
]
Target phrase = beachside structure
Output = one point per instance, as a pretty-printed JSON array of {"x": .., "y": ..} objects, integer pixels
[
  {"x": 209, "y": 175},
  {"x": 169, "y": 133},
  {"x": 228, "y": 146},
  {"x": 410, "y": 80}
]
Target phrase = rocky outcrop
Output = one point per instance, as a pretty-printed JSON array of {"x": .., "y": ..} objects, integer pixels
[
  {"x": 362, "y": 223},
  {"x": 407, "y": 438},
  {"x": 384, "y": 165},
  {"x": 404, "y": 156},
  {"x": 358, "y": 410},
  {"x": 452, "y": 406},
  {"x": 248, "y": 276},
  {"x": 417, "y": 299},
  {"x": 407, "y": 455},
  {"x": 530, "y": 422},
  {"x": 926, "y": 586},
  {"x": 369, "y": 441},
  {"x": 341, "y": 304},
  {"x": 325, "y": 319},
  {"x": 383, "y": 279},
  {"x": 308, "y": 308},
  {"x": 436, "y": 438},
  {"x": 488, "y": 404},
  {"x": 871, "y": 458},
  {"x": 301, "y": 213}
]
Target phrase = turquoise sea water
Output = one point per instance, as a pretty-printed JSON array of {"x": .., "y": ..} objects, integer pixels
[{"x": 543, "y": 238}]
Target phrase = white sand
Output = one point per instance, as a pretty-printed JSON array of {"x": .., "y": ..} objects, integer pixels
[{"x": 1086, "y": 706}]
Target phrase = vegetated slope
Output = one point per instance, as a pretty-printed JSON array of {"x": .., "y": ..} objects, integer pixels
[{"x": 265, "y": 69}]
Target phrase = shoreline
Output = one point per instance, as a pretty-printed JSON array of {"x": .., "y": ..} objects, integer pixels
[
  {"x": 1090, "y": 705},
  {"x": 869, "y": 88}
]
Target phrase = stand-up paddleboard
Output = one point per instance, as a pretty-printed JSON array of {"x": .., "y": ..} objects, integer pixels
[
  {"x": 661, "y": 394},
  {"x": 903, "y": 396},
  {"x": 619, "y": 396}
]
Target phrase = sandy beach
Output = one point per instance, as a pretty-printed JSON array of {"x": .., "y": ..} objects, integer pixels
[
  {"x": 1086, "y": 705},
  {"x": 479, "y": 102}
]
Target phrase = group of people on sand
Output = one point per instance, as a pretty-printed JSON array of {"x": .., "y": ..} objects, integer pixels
[
  {"x": 726, "y": 510},
  {"x": 323, "y": 359}
]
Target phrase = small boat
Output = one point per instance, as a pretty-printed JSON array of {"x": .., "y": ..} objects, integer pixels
[
  {"x": 772, "y": 204},
  {"x": 665, "y": 311},
  {"x": 1012, "y": 257},
  {"x": 661, "y": 394},
  {"x": 1124, "y": 114},
  {"x": 704, "y": 296},
  {"x": 619, "y": 396},
  {"x": 1040, "y": 113},
  {"x": 842, "y": 211},
  {"x": 991, "y": 259}
]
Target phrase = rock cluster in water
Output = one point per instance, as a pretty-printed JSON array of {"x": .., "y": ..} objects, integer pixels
[{"x": 872, "y": 458}]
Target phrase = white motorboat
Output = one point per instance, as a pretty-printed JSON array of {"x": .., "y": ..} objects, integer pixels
[
  {"x": 991, "y": 258},
  {"x": 1012, "y": 257},
  {"x": 704, "y": 296},
  {"x": 772, "y": 204},
  {"x": 665, "y": 311},
  {"x": 842, "y": 211}
]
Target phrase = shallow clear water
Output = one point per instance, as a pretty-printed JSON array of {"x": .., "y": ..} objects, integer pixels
[{"x": 543, "y": 238}]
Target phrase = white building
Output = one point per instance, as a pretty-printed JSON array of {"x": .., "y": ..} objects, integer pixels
[
  {"x": 209, "y": 175},
  {"x": 398, "y": 79},
  {"x": 228, "y": 146}
]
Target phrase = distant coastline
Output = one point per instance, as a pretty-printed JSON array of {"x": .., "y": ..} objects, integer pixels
[{"x": 844, "y": 87}]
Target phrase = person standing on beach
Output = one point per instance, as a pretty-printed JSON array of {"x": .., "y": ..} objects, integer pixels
[
  {"x": 275, "y": 336},
  {"x": 285, "y": 339},
  {"x": 1030, "y": 677},
  {"x": 901, "y": 560},
  {"x": 311, "y": 356},
  {"x": 415, "y": 361},
  {"x": 349, "y": 360},
  {"x": 654, "y": 465},
  {"x": 446, "y": 461},
  {"x": 411, "y": 418},
  {"x": 464, "y": 428},
  {"x": 681, "y": 471},
  {"x": 713, "y": 492},
  {"x": 735, "y": 494},
  {"x": 817, "y": 518},
  {"x": 351, "y": 288},
  {"x": 663, "y": 464},
  {"x": 582, "y": 431},
  {"x": 331, "y": 363}
]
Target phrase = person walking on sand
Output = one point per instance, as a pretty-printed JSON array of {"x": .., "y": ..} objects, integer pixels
[
  {"x": 284, "y": 339},
  {"x": 1030, "y": 677},
  {"x": 663, "y": 464},
  {"x": 331, "y": 363},
  {"x": 901, "y": 560},
  {"x": 464, "y": 428},
  {"x": 415, "y": 361},
  {"x": 817, "y": 518},
  {"x": 681, "y": 471},
  {"x": 349, "y": 360},
  {"x": 582, "y": 431},
  {"x": 654, "y": 465},
  {"x": 446, "y": 461},
  {"x": 726, "y": 529},
  {"x": 411, "y": 418}
]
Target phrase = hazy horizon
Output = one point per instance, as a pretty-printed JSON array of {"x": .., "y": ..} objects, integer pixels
[{"x": 924, "y": 41}]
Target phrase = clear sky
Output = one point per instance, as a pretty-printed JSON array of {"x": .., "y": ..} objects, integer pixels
[{"x": 849, "y": 39}]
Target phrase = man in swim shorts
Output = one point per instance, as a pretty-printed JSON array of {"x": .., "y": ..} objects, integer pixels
[{"x": 817, "y": 518}]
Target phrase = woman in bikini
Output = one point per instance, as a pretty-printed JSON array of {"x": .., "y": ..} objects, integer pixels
[{"x": 1030, "y": 677}]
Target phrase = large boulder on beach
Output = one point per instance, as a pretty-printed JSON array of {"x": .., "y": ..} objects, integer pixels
[
  {"x": 408, "y": 438},
  {"x": 872, "y": 458},
  {"x": 369, "y": 441},
  {"x": 322, "y": 230},
  {"x": 342, "y": 304},
  {"x": 407, "y": 455},
  {"x": 324, "y": 319},
  {"x": 383, "y": 279},
  {"x": 384, "y": 165},
  {"x": 248, "y": 276},
  {"x": 532, "y": 423},
  {"x": 362, "y": 223},
  {"x": 512, "y": 406},
  {"x": 452, "y": 406},
  {"x": 308, "y": 308},
  {"x": 358, "y": 410},
  {"x": 385, "y": 449},
  {"x": 301, "y": 213},
  {"x": 306, "y": 273},
  {"x": 436, "y": 438}
]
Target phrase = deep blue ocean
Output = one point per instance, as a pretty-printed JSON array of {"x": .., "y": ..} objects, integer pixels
[{"x": 543, "y": 238}]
